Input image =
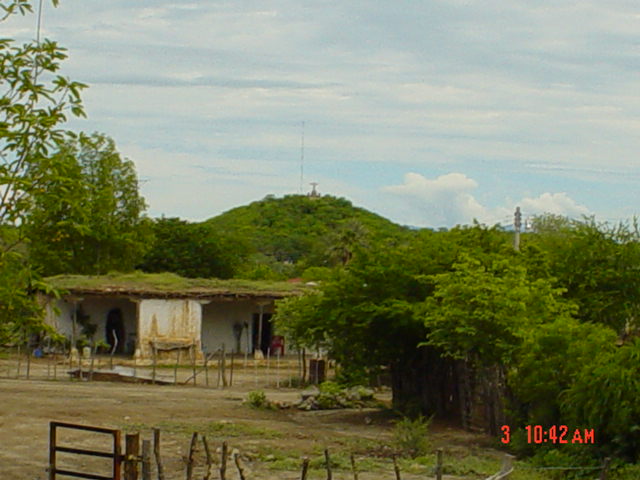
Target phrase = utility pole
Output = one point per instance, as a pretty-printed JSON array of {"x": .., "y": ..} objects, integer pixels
[
  {"x": 302, "y": 158},
  {"x": 517, "y": 223}
]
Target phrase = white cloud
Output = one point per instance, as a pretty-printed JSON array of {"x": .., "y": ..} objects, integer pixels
[
  {"x": 542, "y": 93},
  {"x": 557, "y": 203},
  {"x": 448, "y": 200},
  {"x": 445, "y": 201}
]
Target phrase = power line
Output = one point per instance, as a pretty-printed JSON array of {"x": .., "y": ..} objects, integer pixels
[{"x": 38, "y": 28}]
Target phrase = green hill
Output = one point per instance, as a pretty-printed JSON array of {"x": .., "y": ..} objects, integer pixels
[{"x": 305, "y": 231}]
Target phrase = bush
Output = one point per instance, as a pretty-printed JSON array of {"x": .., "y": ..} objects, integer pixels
[
  {"x": 410, "y": 436},
  {"x": 257, "y": 399}
]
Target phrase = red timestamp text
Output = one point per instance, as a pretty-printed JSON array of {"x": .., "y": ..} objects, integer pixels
[{"x": 555, "y": 434}]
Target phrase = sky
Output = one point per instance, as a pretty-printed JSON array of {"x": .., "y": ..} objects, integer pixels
[{"x": 430, "y": 113}]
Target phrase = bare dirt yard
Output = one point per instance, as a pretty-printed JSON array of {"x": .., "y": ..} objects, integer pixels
[{"x": 271, "y": 443}]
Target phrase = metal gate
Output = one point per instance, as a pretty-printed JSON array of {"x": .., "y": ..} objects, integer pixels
[{"x": 115, "y": 455}]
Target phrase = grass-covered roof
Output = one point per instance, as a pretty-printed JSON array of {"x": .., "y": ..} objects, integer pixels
[{"x": 171, "y": 285}]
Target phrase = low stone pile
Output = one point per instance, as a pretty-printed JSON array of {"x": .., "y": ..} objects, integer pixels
[{"x": 326, "y": 398}]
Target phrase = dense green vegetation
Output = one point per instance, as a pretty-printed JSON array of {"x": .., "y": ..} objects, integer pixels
[
  {"x": 290, "y": 234},
  {"x": 544, "y": 336},
  {"x": 170, "y": 283},
  {"x": 34, "y": 103},
  {"x": 86, "y": 214},
  {"x": 193, "y": 250}
]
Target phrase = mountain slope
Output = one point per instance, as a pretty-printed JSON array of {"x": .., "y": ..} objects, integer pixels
[{"x": 305, "y": 230}]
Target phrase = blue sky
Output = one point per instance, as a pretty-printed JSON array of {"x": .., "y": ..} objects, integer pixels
[{"x": 429, "y": 113}]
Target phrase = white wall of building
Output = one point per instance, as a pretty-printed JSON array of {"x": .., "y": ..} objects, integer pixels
[
  {"x": 218, "y": 319},
  {"x": 169, "y": 320},
  {"x": 97, "y": 308}
]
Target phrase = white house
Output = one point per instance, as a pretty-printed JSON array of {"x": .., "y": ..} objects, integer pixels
[{"x": 135, "y": 313}]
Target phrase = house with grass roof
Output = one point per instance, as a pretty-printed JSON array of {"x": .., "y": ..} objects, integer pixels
[{"x": 155, "y": 314}]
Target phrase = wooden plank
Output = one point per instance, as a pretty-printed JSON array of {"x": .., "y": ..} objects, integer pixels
[
  {"x": 88, "y": 428},
  {"x": 89, "y": 476},
  {"x": 82, "y": 451},
  {"x": 117, "y": 452},
  {"x": 52, "y": 450}
]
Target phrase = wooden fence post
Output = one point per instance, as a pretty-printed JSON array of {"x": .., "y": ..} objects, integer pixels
[
  {"x": 236, "y": 459},
  {"x": 156, "y": 453},
  {"x": 192, "y": 451},
  {"x": 396, "y": 468},
  {"x": 605, "y": 469},
  {"x": 207, "y": 475},
  {"x": 132, "y": 452},
  {"x": 305, "y": 468},
  {"x": 28, "y": 352},
  {"x": 175, "y": 369},
  {"x": 353, "y": 467},
  {"x": 93, "y": 356},
  {"x": 439, "y": 464},
  {"x": 268, "y": 367},
  {"x": 327, "y": 463},
  {"x": 153, "y": 359},
  {"x": 146, "y": 460},
  {"x": 224, "y": 366},
  {"x": 223, "y": 462},
  {"x": 19, "y": 361},
  {"x": 206, "y": 369},
  {"x": 193, "y": 362},
  {"x": 255, "y": 371}
]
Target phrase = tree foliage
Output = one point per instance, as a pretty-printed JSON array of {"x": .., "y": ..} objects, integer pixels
[
  {"x": 34, "y": 103},
  {"x": 304, "y": 232},
  {"x": 604, "y": 397},
  {"x": 86, "y": 215},
  {"x": 482, "y": 314},
  {"x": 550, "y": 317},
  {"x": 596, "y": 263},
  {"x": 193, "y": 250}
]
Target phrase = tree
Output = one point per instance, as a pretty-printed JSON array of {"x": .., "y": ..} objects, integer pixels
[
  {"x": 482, "y": 314},
  {"x": 596, "y": 263},
  {"x": 604, "y": 397},
  {"x": 371, "y": 314},
  {"x": 86, "y": 215},
  {"x": 193, "y": 250},
  {"x": 547, "y": 363},
  {"x": 34, "y": 103}
]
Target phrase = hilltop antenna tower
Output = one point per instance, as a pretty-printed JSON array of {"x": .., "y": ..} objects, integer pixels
[{"x": 302, "y": 158}]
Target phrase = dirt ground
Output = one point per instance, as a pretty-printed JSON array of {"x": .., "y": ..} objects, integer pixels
[{"x": 270, "y": 443}]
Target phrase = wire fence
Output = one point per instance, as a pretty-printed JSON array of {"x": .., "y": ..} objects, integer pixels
[{"x": 214, "y": 370}]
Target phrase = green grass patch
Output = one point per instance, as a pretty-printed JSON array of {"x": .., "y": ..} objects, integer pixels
[
  {"x": 224, "y": 429},
  {"x": 138, "y": 282}
]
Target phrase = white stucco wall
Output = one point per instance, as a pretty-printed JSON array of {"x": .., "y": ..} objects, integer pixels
[
  {"x": 218, "y": 318},
  {"x": 97, "y": 308},
  {"x": 61, "y": 321},
  {"x": 169, "y": 320}
]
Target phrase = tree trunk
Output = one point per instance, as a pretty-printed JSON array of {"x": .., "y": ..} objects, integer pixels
[{"x": 426, "y": 383}]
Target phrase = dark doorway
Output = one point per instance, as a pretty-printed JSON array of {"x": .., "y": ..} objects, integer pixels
[
  {"x": 115, "y": 331},
  {"x": 265, "y": 340}
]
